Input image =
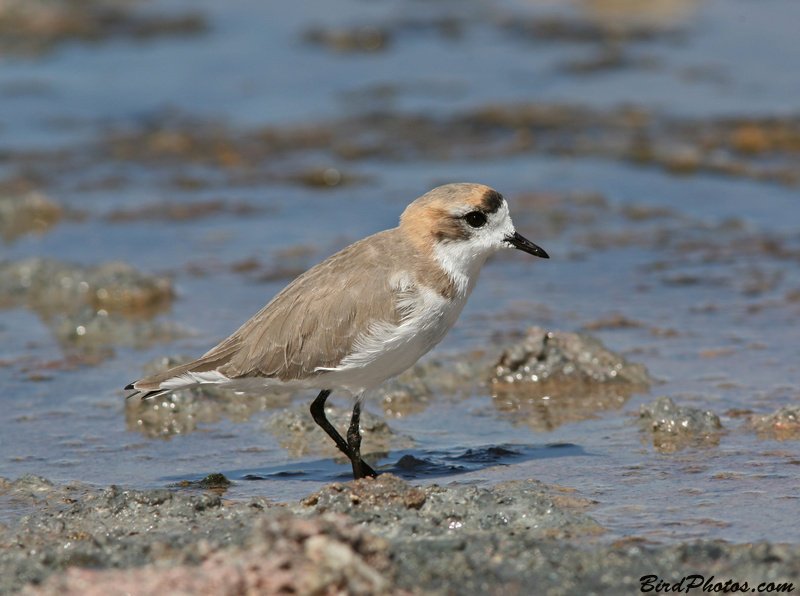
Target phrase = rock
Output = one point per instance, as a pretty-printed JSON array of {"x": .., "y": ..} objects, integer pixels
[
  {"x": 27, "y": 213},
  {"x": 546, "y": 355},
  {"x": 91, "y": 328},
  {"x": 51, "y": 287},
  {"x": 674, "y": 426},
  {"x": 552, "y": 377},
  {"x": 783, "y": 424}
]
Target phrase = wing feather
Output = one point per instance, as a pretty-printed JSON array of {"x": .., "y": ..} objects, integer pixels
[{"x": 314, "y": 322}]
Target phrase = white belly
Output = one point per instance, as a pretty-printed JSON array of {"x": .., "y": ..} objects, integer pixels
[{"x": 387, "y": 350}]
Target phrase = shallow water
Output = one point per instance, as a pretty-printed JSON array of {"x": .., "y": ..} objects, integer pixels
[{"x": 708, "y": 288}]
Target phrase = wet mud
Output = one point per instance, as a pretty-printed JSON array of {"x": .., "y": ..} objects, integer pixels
[
  {"x": 379, "y": 536},
  {"x": 36, "y": 26},
  {"x": 23, "y": 213},
  {"x": 90, "y": 309},
  {"x": 196, "y": 155}
]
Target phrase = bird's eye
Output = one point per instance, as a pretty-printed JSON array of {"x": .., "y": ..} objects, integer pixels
[{"x": 475, "y": 218}]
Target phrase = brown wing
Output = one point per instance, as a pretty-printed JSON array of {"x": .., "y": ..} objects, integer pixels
[{"x": 314, "y": 321}]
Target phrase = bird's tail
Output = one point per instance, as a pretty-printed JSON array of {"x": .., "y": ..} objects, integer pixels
[
  {"x": 144, "y": 394},
  {"x": 177, "y": 377},
  {"x": 209, "y": 368}
]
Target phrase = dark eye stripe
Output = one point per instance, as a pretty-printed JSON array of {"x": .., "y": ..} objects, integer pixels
[
  {"x": 476, "y": 219},
  {"x": 492, "y": 201}
]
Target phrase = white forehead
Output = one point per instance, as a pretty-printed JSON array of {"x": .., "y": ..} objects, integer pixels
[{"x": 500, "y": 220}]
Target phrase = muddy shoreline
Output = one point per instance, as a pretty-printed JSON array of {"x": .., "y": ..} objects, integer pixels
[
  {"x": 384, "y": 535},
  {"x": 379, "y": 536}
]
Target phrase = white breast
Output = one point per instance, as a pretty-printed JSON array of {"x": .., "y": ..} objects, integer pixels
[{"x": 386, "y": 350}]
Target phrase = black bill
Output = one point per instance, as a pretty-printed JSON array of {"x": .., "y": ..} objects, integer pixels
[{"x": 526, "y": 245}]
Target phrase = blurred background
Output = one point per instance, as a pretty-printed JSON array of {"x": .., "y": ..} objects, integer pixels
[{"x": 167, "y": 166}]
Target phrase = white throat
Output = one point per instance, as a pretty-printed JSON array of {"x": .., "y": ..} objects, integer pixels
[
  {"x": 462, "y": 264},
  {"x": 462, "y": 259}
]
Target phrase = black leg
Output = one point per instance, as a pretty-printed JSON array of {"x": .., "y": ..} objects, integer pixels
[
  {"x": 318, "y": 414},
  {"x": 361, "y": 468}
]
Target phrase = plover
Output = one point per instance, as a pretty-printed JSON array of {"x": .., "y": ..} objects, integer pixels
[{"x": 365, "y": 314}]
